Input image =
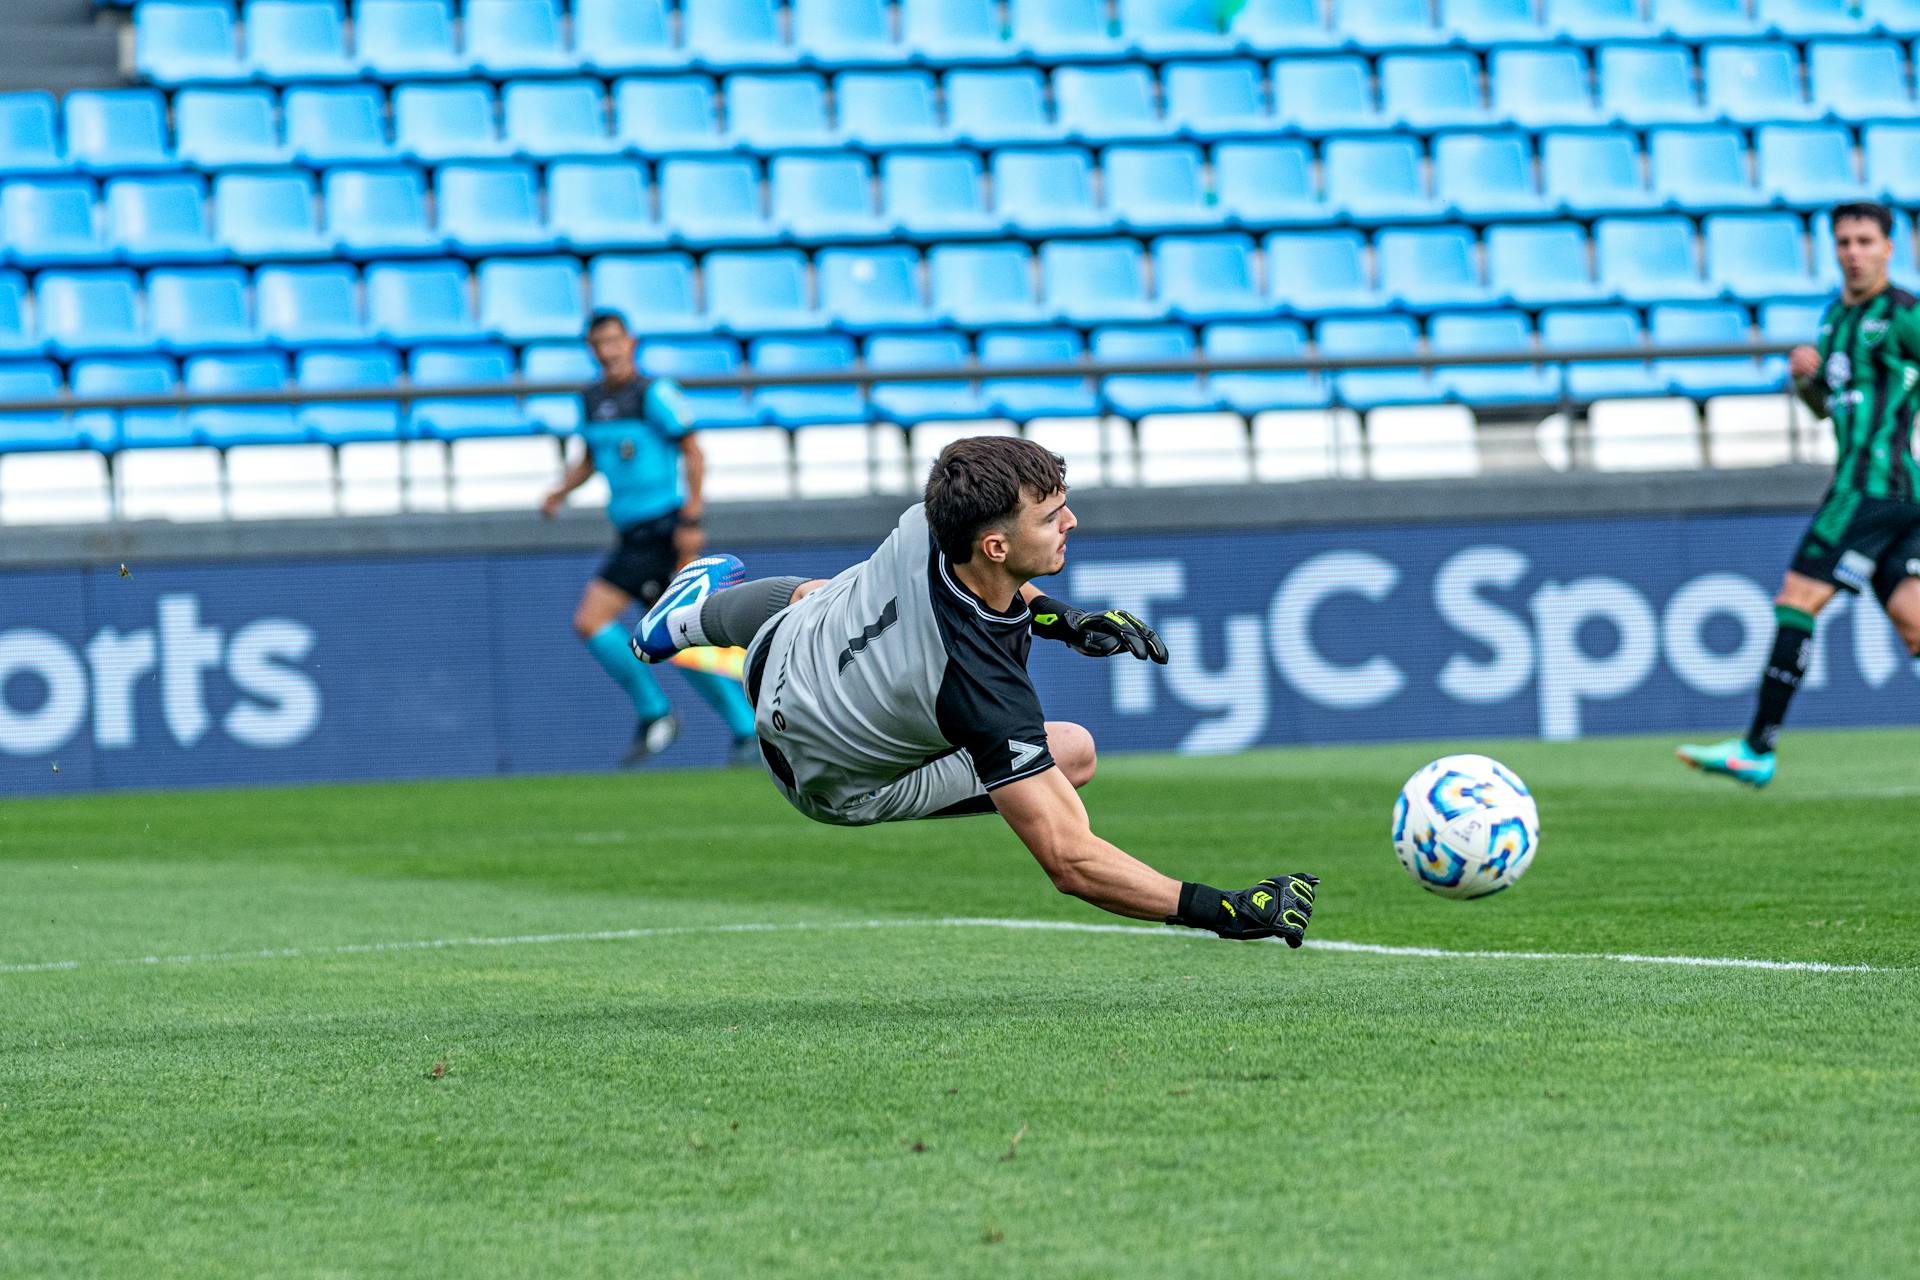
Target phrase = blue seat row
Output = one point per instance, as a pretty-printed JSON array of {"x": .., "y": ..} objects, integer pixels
[{"x": 187, "y": 41}]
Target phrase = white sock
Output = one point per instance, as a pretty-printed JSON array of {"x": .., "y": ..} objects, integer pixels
[{"x": 683, "y": 625}]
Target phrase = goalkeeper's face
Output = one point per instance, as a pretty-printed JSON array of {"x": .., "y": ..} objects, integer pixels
[{"x": 1037, "y": 541}]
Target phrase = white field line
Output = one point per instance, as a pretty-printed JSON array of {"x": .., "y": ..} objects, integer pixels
[{"x": 949, "y": 922}]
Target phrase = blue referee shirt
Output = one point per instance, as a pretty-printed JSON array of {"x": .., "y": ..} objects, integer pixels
[{"x": 634, "y": 431}]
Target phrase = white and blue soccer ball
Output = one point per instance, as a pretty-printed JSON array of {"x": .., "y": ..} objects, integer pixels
[{"x": 1465, "y": 826}]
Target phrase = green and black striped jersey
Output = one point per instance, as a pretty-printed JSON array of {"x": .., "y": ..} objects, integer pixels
[{"x": 1870, "y": 363}]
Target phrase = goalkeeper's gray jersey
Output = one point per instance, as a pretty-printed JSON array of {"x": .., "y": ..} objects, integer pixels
[{"x": 891, "y": 666}]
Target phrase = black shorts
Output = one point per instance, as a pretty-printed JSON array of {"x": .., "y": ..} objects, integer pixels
[
  {"x": 643, "y": 560},
  {"x": 1857, "y": 542}
]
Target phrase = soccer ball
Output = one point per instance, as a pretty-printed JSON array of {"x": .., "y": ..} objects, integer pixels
[{"x": 1465, "y": 827}]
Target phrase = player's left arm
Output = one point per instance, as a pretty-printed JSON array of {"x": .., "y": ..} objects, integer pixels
[
  {"x": 1098, "y": 635},
  {"x": 668, "y": 407},
  {"x": 578, "y": 472}
]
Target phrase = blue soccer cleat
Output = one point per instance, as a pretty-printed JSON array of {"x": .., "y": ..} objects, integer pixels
[
  {"x": 673, "y": 622},
  {"x": 1732, "y": 758}
]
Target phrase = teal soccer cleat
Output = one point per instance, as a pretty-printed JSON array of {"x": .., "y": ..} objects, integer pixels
[
  {"x": 663, "y": 631},
  {"x": 1733, "y": 758}
]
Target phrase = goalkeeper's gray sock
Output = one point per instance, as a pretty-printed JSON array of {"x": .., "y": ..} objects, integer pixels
[{"x": 735, "y": 616}]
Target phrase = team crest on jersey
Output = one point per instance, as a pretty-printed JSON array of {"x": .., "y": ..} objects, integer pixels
[
  {"x": 1839, "y": 370},
  {"x": 626, "y": 451},
  {"x": 1872, "y": 331}
]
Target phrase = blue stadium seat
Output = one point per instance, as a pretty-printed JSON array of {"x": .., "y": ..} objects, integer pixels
[
  {"x": 298, "y": 40},
  {"x": 1542, "y": 88},
  {"x": 1702, "y": 325},
  {"x": 991, "y": 108},
  {"x": 1254, "y": 391},
  {"x": 1484, "y": 176},
  {"x": 866, "y": 289},
  {"x": 1696, "y": 20},
  {"x": 1591, "y": 21},
  {"x": 735, "y": 33},
  {"x": 1491, "y": 22},
  {"x": 1893, "y": 160},
  {"x": 29, "y": 134},
  {"x": 1487, "y": 333},
  {"x": 1649, "y": 84},
  {"x": 825, "y": 197},
  {"x": 379, "y": 212},
  {"x": 845, "y": 33},
  {"x": 1046, "y": 192},
  {"x": 1319, "y": 272},
  {"x": 760, "y": 292},
  {"x": 1377, "y": 180},
  {"x": 1798, "y": 19},
  {"x": 1388, "y": 24},
  {"x": 224, "y": 426},
  {"x": 1795, "y": 322},
  {"x": 1588, "y": 174},
  {"x": 1324, "y": 95},
  {"x": 1755, "y": 83},
  {"x": 1427, "y": 268},
  {"x": 111, "y": 429},
  {"x": 441, "y": 122},
  {"x": 1897, "y": 18},
  {"x": 1024, "y": 399},
  {"x": 1860, "y": 79},
  {"x": 1649, "y": 259},
  {"x": 52, "y": 222},
  {"x": 325, "y": 369},
  {"x": 1541, "y": 265},
  {"x": 1703, "y": 169},
  {"x": 1060, "y": 30},
  {"x": 224, "y": 128},
  {"x": 309, "y": 305},
  {"x": 908, "y": 403},
  {"x": 1283, "y": 26},
  {"x": 409, "y": 302},
  {"x": 556, "y": 362},
  {"x": 1216, "y": 99},
  {"x": 1169, "y": 28},
  {"x": 701, "y": 357},
  {"x": 18, "y": 335},
  {"x": 663, "y": 114},
  {"x": 1375, "y": 336},
  {"x": 653, "y": 292},
  {"x": 945, "y": 31},
  {"x": 1429, "y": 91},
  {"x": 406, "y": 39},
  {"x": 1759, "y": 255},
  {"x": 1153, "y": 189},
  {"x": 714, "y": 201},
  {"x": 491, "y": 208},
  {"x": 894, "y": 108},
  {"x": 813, "y": 404},
  {"x": 1108, "y": 104},
  {"x": 161, "y": 219},
  {"x": 88, "y": 312},
  {"x": 512, "y": 37},
  {"x": 463, "y": 418},
  {"x": 1135, "y": 395},
  {"x": 528, "y": 299},
  {"x": 558, "y": 120},
  {"x": 612, "y": 36},
  {"x": 185, "y": 43},
  {"x": 1264, "y": 183},
  {"x": 327, "y": 126},
  {"x": 1808, "y": 166},
  {"x": 117, "y": 130},
  {"x": 772, "y": 112},
  {"x": 985, "y": 284},
  {"x": 596, "y": 205},
  {"x": 936, "y": 195},
  {"x": 1204, "y": 278},
  {"x": 1089, "y": 282}
]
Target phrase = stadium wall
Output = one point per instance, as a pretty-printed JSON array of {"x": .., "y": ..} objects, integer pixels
[{"x": 174, "y": 655}]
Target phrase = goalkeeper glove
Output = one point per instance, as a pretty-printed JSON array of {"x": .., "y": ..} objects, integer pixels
[
  {"x": 1098, "y": 635},
  {"x": 1277, "y": 907}
]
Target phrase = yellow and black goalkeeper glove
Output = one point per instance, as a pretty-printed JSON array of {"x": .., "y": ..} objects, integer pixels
[
  {"x": 1277, "y": 907},
  {"x": 1098, "y": 635}
]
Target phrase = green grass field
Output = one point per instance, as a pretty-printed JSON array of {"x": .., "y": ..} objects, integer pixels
[{"x": 293, "y": 1087}]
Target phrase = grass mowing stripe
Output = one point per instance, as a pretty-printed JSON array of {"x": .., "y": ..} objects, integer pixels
[{"x": 946, "y": 922}]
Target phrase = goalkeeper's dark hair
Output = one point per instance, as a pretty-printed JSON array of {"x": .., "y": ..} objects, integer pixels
[
  {"x": 977, "y": 483},
  {"x": 1871, "y": 210},
  {"x": 599, "y": 318}
]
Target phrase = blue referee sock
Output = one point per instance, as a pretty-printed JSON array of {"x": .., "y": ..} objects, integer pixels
[
  {"x": 608, "y": 646},
  {"x": 724, "y": 695}
]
